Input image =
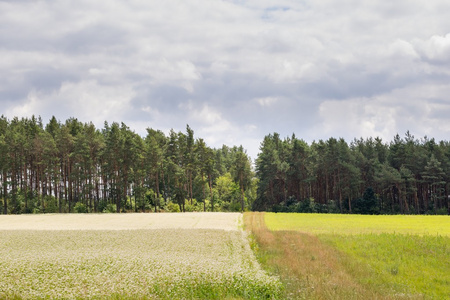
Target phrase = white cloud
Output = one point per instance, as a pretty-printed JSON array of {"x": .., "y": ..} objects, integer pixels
[
  {"x": 209, "y": 119},
  {"x": 267, "y": 101},
  {"x": 211, "y": 125},
  {"x": 367, "y": 68},
  {"x": 402, "y": 49},
  {"x": 357, "y": 118},
  {"x": 95, "y": 102},
  {"x": 435, "y": 49},
  {"x": 422, "y": 109},
  {"x": 27, "y": 109},
  {"x": 86, "y": 99}
]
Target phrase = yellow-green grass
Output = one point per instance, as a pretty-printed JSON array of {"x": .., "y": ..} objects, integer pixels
[
  {"x": 405, "y": 264},
  {"x": 308, "y": 267},
  {"x": 408, "y": 256},
  {"x": 357, "y": 224}
]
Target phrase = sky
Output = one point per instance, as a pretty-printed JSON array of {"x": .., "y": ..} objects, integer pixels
[{"x": 234, "y": 71}]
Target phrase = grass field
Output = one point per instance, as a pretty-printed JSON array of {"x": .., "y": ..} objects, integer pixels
[
  {"x": 351, "y": 256},
  {"x": 173, "y": 263},
  {"x": 358, "y": 224},
  {"x": 208, "y": 256}
]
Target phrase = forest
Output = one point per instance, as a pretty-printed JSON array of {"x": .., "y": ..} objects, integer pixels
[
  {"x": 71, "y": 166},
  {"x": 75, "y": 167},
  {"x": 367, "y": 176}
]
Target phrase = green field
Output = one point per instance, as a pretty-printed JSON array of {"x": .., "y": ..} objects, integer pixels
[
  {"x": 358, "y": 224},
  {"x": 208, "y": 256},
  {"x": 403, "y": 256}
]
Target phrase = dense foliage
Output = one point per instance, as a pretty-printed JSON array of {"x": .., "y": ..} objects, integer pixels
[
  {"x": 368, "y": 176},
  {"x": 75, "y": 167}
]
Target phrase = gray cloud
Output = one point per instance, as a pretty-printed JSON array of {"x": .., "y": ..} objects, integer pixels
[{"x": 233, "y": 70}]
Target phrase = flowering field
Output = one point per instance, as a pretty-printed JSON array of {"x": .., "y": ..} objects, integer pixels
[
  {"x": 170, "y": 263},
  {"x": 207, "y": 220}
]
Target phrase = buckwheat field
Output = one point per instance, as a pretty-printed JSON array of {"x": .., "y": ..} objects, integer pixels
[{"x": 163, "y": 256}]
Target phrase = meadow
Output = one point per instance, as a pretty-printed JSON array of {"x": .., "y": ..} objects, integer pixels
[
  {"x": 209, "y": 256},
  {"x": 188, "y": 259},
  {"x": 342, "y": 224},
  {"x": 353, "y": 256}
]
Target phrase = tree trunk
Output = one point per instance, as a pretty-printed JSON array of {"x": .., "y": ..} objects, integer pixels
[
  {"x": 157, "y": 183},
  {"x": 156, "y": 203},
  {"x": 90, "y": 191},
  {"x": 70, "y": 191},
  {"x": 425, "y": 198},
  {"x": 164, "y": 184},
  {"x": 242, "y": 192},
  {"x": 97, "y": 194},
  {"x": 5, "y": 193},
  {"x": 204, "y": 198},
  {"x": 190, "y": 186},
  {"x": 416, "y": 201},
  {"x": 400, "y": 198},
  {"x": 55, "y": 182},
  {"x": 448, "y": 198},
  {"x": 13, "y": 188},
  {"x": 25, "y": 171},
  {"x": 405, "y": 202},
  {"x": 210, "y": 192}
]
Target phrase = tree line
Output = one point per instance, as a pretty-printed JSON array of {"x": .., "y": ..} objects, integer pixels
[
  {"x": 76, "y": 167},
  {"x": 406, "y": 175}
]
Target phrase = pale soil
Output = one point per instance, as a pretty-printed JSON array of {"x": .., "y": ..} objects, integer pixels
[{"x": 131, "y": 221}]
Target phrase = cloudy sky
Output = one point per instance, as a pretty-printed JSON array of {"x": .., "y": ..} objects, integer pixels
[{"x": 233, "y": 70}]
